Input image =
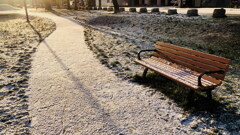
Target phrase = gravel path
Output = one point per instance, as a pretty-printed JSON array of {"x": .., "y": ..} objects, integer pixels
[{"x": 71, "y": 92}]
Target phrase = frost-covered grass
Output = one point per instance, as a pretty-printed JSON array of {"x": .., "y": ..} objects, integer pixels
[{"x": 18, "y": 40}]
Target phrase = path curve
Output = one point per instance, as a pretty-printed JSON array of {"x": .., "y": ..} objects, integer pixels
[{"x": 71, "y": 92}]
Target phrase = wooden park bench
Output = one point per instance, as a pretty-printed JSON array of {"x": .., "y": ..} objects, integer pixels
[{"x": 193, "y": 69}]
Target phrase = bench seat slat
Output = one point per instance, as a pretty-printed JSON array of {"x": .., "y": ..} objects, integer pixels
[
  {"x": 200, "y": 70},
  {"x": 184, "y": 74},
  {"x": 176, "y": 74},
  {"x": 209, "y": 79}
]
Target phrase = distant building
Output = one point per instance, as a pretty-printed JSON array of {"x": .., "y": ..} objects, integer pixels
[{"x": 185, "y": 3}]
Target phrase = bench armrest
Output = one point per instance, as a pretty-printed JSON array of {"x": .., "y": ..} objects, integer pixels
[
  {"x": 139, "y": 53},
  {"x": 210, "y": 72}
]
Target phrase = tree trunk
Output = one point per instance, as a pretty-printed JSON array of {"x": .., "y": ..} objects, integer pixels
[
  {"x": 100, "y": 3},
  {"x": 58, "y": 4},
  {"x": 68, "y": 4},
  {"x": 180, "y": 3},
  {"x": 116, "y": 6},
  {"x": 26, "y": 11},
  {"x": 47, "y": 5},
  {"x": 75, "y": 5}
]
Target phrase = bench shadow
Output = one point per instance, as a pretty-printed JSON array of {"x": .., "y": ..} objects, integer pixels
[
  {"x": 221, "y": 112},
  {"x": 179, "y": 93}
]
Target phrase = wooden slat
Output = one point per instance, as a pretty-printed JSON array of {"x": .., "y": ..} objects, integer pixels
[
  {"x": 194, "y": 87},
  {"x": 216, "y": 81},
  {"x": 200, "y": 70},
  {"x": 194, "y": 65},
  {"x": 181, "y": 63},
  {"x": 178, "y": 75},
  {"x": 219, "y": 82},
  {"x": 193, "y": 57},
  {"x": 183, "y": 74},
  {"x": 193, "y": 52}
]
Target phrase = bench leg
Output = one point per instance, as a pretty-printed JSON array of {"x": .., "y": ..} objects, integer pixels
[
  {"x": 209, "y": 94},
  {"x": 145, "y": 72},
  {"x": 190, "y": 96}
]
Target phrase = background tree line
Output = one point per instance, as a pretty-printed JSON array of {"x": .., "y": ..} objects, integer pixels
[
  {"x": 69, "y": 4},
  {"x": 75, "y": 4}
]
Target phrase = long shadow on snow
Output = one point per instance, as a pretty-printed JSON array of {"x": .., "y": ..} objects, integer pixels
[{"x": 93, "y": 102}]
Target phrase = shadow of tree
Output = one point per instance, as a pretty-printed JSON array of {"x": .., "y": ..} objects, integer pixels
[
  {"x": 90, "y": 99},
  {"x": 35, "y": 30}
]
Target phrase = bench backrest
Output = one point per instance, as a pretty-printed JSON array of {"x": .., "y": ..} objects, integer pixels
[{"x": 194, "y": 60}]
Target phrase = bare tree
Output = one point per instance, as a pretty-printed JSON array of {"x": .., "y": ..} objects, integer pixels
[
  {"x": 47, "y": 4},
  {"x": 100, "y": 3},
  {"x": 75, "y": 4},
  {"x": 26, "y": 11},
  {"x": 180, "y": 3},
  {"x": 68, "y": 4},
  {"x": 116, "y": 6},
  {"x": 58, "y": 3}
]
